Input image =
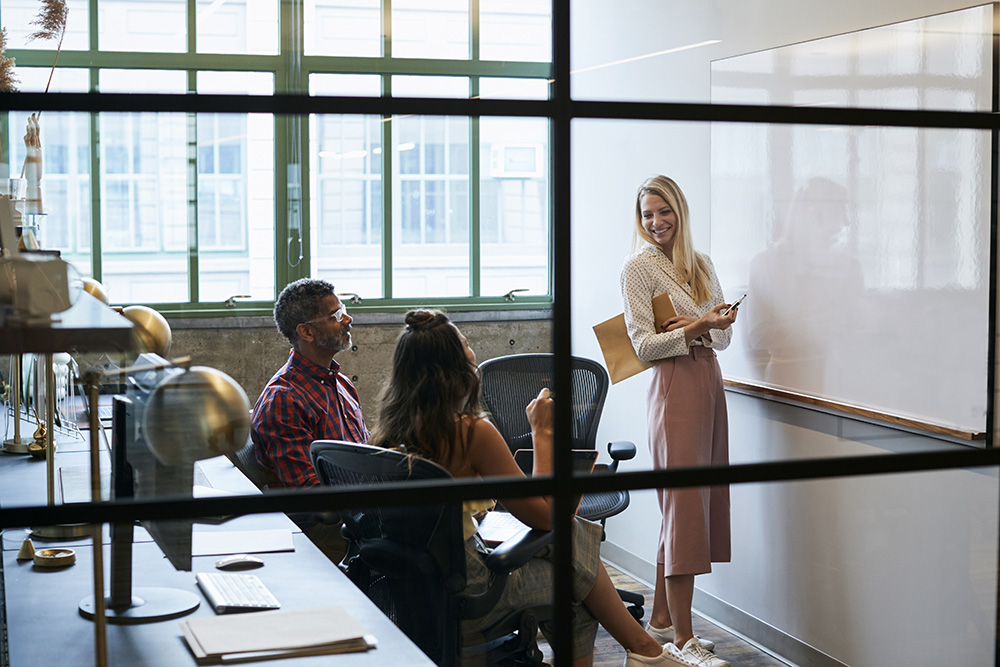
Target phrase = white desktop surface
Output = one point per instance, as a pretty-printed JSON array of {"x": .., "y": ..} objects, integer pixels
[{"x": 45, "y": 627}]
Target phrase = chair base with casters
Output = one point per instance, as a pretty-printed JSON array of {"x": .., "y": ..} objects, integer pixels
[
  {"x": 410, "y": 561},
  {"x": 509, "y": 383}
]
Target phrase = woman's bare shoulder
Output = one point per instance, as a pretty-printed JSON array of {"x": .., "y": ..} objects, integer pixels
[
  {"x": 479, "y": 428},
  {"x": 488, "y": 451}
]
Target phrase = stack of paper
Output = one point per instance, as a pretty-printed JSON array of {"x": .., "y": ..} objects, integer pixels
[{"x": 274, "y": 634}]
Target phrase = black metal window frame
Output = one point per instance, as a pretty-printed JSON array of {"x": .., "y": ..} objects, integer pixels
[{"x": 561, "y": 110}]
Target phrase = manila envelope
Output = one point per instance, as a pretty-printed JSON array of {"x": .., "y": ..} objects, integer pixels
[{"x": 616, "y": 346}]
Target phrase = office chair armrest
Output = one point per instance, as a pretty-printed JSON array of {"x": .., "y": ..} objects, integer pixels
[
  {"x": 518, "y": 550},
  {"x": 620, "y": 450},
  {"x": 507, "y": 557},
  {"x": 325, "y": 518}
]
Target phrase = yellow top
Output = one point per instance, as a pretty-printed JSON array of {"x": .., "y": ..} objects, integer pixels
[{"x": 470, "y": 508}]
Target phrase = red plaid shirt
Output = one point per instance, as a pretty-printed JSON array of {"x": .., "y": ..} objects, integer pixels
[{"x": 304, "y": 402}]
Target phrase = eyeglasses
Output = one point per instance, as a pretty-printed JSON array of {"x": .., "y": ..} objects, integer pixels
[{"x": 335, "y": 316}]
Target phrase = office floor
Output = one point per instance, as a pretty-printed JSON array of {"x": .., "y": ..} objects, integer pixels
[{"x": 608, "y": 653}]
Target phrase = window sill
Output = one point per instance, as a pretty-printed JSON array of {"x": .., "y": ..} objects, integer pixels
[{"x": 360, "y": 318}]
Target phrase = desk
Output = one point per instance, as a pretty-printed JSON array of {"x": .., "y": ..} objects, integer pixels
[
  {"x": 22, "y": 484},
  {"x": 45, "y": 628}
]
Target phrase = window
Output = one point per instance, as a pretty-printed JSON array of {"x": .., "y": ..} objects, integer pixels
[
  {"x": 346, "y": 186},
  {"x": 190, "y": 210}
]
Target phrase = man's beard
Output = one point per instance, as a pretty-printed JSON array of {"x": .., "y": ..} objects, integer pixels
[{"x": 337, "y": 343}]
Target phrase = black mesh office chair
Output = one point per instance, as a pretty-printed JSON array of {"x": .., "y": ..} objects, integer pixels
[
  {"x": 322, "y": 528},
  {"x": 411, "y": 561},
  {"x": 509, "y": 383}
]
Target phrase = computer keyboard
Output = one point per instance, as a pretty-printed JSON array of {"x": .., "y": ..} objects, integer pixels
[{"x": 229, "y": 592}]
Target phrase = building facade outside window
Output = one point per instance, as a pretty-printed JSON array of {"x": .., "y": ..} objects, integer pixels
[{"x": 184, "y": 211}]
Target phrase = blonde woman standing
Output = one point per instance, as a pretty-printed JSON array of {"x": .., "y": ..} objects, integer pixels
[{"x": 686, "y": 405}]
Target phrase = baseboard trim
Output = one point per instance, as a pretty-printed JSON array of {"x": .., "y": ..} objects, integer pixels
[{"x": 762, "y": 635}]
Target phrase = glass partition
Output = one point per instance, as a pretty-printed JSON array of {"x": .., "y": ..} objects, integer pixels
[{"x": 893, "y": 299}]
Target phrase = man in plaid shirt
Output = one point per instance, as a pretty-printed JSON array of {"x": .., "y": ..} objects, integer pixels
[{"x": 309, "y": 398}]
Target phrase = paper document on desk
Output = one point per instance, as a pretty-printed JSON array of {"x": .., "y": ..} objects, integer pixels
[
  {"x": 74, "y": 483},
  {"x": 616, "y": 346},
  {"x": 227, "y": 542},
  {"x": 268, "y": 635}
]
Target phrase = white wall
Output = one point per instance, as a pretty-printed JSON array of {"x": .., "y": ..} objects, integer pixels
[{"x": 868, "y": 570}]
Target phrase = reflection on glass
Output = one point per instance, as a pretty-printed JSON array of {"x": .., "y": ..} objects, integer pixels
[
  {"x": 346, "y": 189},
  {"x": 144, "y": 219},
  {"x": 237, "y": 26},
  {"x": 793, "y": 350},
  {"x": 852, "y": 241},
  {"x": 65, "y": 182},
  {"x": 235, "y": 193}
]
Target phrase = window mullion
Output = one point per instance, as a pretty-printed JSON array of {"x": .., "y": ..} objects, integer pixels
[
  {"x": 388, "y": 178},
  {"x": 474, "y": 32},
  {"x": 194, "y": 286},
  {"x": 475, "y": 284},
  {"x": 192, "y": 26},
  {"x": 291, "y": 231},
  {"x": 94, "y": 119}
]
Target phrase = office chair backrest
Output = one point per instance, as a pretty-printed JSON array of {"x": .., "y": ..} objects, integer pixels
[
  {"x": 414, "y": 556},
  {"x": 510, "y": 383},
  {"x": 245, "y": 459}
]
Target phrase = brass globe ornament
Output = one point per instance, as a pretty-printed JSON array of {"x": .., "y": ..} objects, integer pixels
[
  {"x": 151, "y": 330},
  {"x": 196, "y": 414},
  {"x": 96, "y": 290}
]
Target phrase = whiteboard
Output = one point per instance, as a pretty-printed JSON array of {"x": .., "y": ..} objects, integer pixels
[{"x": 864, "y": 250}]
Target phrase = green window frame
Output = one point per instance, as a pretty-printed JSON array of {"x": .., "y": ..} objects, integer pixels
[{"x": 294, "y": 230}]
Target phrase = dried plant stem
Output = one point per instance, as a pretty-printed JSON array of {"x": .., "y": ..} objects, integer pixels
[
  {"x": 47, "y": 84},
  {"x": 54, "y": 63},
  {"x": 51, "y": 20}
]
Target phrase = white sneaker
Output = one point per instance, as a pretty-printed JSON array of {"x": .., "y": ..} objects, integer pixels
[
  {"x": 671, "y": 657},
  {"x": 694, "y": 653},
  {"x": 666, "y": 635}
]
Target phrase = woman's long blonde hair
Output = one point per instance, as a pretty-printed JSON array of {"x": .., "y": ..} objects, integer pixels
[{"x": 690, "y": 266}]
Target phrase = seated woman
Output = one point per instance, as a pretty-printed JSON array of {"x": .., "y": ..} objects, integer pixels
[{"x": 430, "y": 407}]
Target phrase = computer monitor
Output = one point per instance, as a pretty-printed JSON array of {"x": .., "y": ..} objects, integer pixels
[{"x": 136, "y": 473}]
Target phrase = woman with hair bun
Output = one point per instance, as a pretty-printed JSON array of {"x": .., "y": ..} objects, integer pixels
[{"x": 430, "y": 407}]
